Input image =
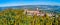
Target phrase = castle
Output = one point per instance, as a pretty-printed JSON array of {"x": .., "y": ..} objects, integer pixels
[
  {"x": 33, "y": 12},
  {"x": 36, "y": 12}
]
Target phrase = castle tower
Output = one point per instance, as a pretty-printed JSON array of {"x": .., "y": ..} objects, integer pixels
[
  {"x": 37, "y": 9},
  {"x": 25, "y": 11}
]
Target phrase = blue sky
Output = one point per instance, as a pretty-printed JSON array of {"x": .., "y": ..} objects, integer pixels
[{"x": 28, "y": 2}]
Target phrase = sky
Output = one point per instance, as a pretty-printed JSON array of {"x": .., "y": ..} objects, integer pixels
[{"x": 28, "y": 2}]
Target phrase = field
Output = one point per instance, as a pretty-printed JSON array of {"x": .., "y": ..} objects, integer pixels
[{"x": 17, "y": 17}]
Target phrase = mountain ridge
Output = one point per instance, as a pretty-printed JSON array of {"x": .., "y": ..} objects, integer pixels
[{"x": 54, "y": 8}]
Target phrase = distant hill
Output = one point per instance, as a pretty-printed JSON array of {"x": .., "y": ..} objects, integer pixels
[{"x": 54, "y": 8}]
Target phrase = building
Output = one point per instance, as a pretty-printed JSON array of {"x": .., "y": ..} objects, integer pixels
[
  {"x": 36, "y": 12},
  {"x": 33, "y": 12}
]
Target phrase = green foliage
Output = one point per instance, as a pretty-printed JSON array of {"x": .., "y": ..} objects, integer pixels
[{"x": 16, "y": 17}]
